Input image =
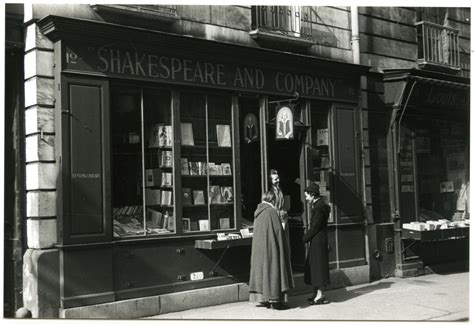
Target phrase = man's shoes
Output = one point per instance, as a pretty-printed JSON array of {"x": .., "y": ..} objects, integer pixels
[
  {"x": 264, "y": 304},
  {"x": 279, "y": 306}
]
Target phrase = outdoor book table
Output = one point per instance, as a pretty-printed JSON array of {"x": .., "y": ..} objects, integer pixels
[
  {"x": 434, "y": 235},
  {"x": 214, "y": 244}
]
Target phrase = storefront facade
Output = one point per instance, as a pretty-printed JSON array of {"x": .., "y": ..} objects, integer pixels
[
  {"x": 166, "y": 141},
  {"x": 428, "y": 148}
]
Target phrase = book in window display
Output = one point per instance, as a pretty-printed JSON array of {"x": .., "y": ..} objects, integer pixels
[
  {"x": 154, "y": 139},
  {"x": 166, "y": 198},
  {"x": 202, "y": 168},
  {"x": 224, "y": 223},
  {"x": 215, "y": 196},
  {"x": 187, "y": 198},
  {"x": 166, "y": 159},
  {"x": 152, "y": 177},
  {"x": 154, "y": 219},
  {"x": 227, "y": 194},
  {"x": 165, "y": 135},
  {"x": 186, "y": 224},
  {"x": 166, "y": 179},
  {"x": 203, "y": 225},
  {"x": 211, "y": 167},
  {"x": 170, "y": 222},
  {"x": 226, "y": 169},
  {"x": 223, "y": 136},
  {"x": 152, "y": 197},
  {"x": 184, "y": 166},
  {"x": 187, "y": 137},
  {"x": 198, "y": 196},
  {"x": 193, "y": 168}
]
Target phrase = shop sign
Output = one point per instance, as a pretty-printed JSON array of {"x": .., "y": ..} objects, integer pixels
[
  {"x": 284, "y": 123},
  {"x": 441, "y": 97},
  {"x": 173, "y": 68}
]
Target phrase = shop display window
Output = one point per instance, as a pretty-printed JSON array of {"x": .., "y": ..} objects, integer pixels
[
  {"x": 149, "y": 156},
  {"x": 142, "y": 162},
  {"x": 319, "y": 152},
  {"x": 440, "y": 166},
  {"x": 207, "y": 171}
]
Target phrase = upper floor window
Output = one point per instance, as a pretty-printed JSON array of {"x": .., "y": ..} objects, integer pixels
[
  {"x": 291, "y": 24},
  {"x": 438, "y": 44}
]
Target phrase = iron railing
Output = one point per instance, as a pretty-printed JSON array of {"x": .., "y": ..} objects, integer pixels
[
  {"x": 292, "y": 21},
  {"x": 438, "y": 44}
]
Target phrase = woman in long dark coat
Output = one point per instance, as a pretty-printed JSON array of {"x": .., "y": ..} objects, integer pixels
[
  {"x": 316, "y": 272},
  {"x": 270, "y": 268}
]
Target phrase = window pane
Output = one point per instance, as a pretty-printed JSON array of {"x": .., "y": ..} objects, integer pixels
[
  {"x": 221, "y": 186},
  {"x": 193, "y": 163},
  {"x": 159, "y": 159},
  {"x": 126, "y": 163}
]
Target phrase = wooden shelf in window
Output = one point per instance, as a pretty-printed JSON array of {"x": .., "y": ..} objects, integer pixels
[
  {"x": 194, "y": 176},
  {"x": 195, "y": 206}
]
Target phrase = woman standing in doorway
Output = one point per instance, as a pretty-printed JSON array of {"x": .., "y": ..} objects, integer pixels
[{"x": 316, "y": 272}]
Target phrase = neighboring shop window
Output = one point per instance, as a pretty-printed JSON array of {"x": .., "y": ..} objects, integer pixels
[
  {"x": 319, "y": 152},
  {"x": 207, "y": 169},
  {"x": 442, "y": 162},
  {"x": 142, "y": 162}
]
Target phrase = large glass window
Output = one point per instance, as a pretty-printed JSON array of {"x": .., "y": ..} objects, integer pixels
[
  {"x": 319, "y": 151},
  {"x": 441, "y": 168},
  {"x": 158, "y": 166},
  {"x": 207, "y": 171}
]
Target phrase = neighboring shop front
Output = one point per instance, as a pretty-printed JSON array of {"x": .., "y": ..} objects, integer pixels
[
  {"x": 164, "y": 142},
  {"x": 429, "y": 160}
]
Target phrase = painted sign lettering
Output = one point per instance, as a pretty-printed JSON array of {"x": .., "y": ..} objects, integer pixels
[{"x": 112, "y": 61}]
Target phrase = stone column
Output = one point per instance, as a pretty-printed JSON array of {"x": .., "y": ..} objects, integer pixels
[{"x": 41, "y": 260}]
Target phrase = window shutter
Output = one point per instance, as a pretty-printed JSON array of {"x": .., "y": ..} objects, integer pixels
[
  {"x": 84, "y": 165},
  {"x": 347, "y": 198}
]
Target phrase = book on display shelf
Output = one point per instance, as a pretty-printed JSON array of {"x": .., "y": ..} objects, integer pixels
[
  {"x": 166, "y": 159},
  {"x": 194, "y": 226},
  {"x": 187, "y": 198},
  {"x": 170, "y": 224},
  {"x": 166, "y": 179},
  {"x": 154, "y": 218},
  {"x": 186, "y": 224},
  {"x": 152, "y": 196},
  {"x": 187, "y": 137},
  {"x": 226, "y": 169},
  {"x": 166, "y": 197},
  {"x": 223, "y": 136},
  {"x": 193, "y": 168},
  {"x": 211, "y": 167},
  {"x": 224, "y": 223},
  {"x": 153, "y": 138},
  {"x": 215, "y": 196},
  {"x": 165, "y": 135},
  {"x": 184, "y": 166},
  {"x": 198, "y": 196},
  {"x": 227, "y": 194},
  {"x": 152, "y": 177},
  {"x": 203, "y": 225}
]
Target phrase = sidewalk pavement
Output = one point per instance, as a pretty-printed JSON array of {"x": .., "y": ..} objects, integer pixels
[{"x": 432, "y": 297}]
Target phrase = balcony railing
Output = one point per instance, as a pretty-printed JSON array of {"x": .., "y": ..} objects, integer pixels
[
  {"x": 293, "y": 21},
  {"x": 438, "y": 45}
]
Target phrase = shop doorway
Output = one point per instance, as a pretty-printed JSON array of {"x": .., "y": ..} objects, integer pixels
[{"x": 250, "y": 156}]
